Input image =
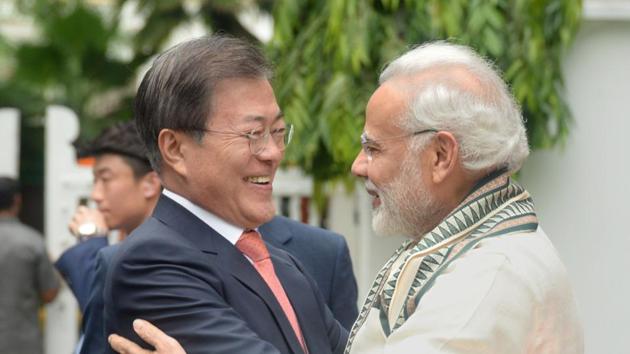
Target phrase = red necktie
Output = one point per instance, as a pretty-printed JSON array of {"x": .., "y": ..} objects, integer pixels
[{"x": 251, "y": 244}]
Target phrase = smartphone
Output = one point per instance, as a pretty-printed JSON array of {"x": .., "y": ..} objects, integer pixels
[{"x": 83, "y": 201}]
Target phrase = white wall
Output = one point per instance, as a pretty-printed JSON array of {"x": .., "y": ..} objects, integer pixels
[{"x": 582, "y": 192}]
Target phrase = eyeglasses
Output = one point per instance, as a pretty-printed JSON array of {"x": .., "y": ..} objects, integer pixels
[
  {"x": 370, "y": 146},
  {"x": 259, "y": 137}
]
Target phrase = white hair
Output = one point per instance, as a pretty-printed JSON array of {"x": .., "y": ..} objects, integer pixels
[{"x": 481, "y": 113}]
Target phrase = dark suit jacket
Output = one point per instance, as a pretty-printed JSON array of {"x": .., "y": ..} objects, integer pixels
[
  {"x": 93, "y": 325},
  {"x": 76, "y": 265},
  {"x": 177, "y": 272},
  {"x": 325, "y": 257},
  {"x": 323, "y": 254}
]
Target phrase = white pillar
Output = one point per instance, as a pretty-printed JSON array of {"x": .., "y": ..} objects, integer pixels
[
  {"x": 65, "y": 183},
  {"x": 10, "y": 142}
]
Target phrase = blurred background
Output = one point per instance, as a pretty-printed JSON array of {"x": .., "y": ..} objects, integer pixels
[{"x": 69, "y": 68}]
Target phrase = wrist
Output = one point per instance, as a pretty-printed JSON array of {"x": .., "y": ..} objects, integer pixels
[{"x": 89, "y": 230}]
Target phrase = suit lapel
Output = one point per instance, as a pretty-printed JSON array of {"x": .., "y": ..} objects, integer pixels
[
  {"x": 295, "y": 286},
  {"x": 187, "y": 224},
  {"x": 245, "y": 272}
]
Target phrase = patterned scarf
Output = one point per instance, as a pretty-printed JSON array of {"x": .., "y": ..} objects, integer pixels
[{"x": 497, "y": 206}]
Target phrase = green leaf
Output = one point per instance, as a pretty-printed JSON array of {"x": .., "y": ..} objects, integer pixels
[
  {"x": 493, "y": 42},
  {"x": 39, "y": 64},
  {"x": 70, "y": 34}
]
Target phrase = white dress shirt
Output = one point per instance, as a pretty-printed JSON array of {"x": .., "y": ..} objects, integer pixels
[{"x": 229, "y": 231}]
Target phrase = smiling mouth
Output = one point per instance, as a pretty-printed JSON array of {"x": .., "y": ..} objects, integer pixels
[
  {"x": 376, "y": 199},
  {"x": 263, "y": 180}
]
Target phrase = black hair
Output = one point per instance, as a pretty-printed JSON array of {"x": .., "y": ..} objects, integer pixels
[
  {"x": 9, "y": 188},
  {"x": 120, "y": 139},
  {"x": 176, "y": 92}
]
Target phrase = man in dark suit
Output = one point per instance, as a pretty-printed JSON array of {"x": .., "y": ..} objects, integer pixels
[
  {"x": 126, "y": 189},
  {"x": 198, "y": 267},
  {"x": 323, "y": 254}
]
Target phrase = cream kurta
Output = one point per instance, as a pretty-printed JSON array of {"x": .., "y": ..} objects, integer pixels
[{"x": 507, "y": 295}]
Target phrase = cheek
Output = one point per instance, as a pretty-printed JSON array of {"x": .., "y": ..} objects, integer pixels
[
  {"x": 124, "y": 193},
  {"x": 381, "y": 173},
  {"x": 234, "y": 168}
]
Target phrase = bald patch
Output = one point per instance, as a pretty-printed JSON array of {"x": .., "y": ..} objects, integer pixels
[{"x": 454, "y": 76}]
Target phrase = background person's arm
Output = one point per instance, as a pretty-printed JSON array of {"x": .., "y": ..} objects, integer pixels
[
  {"x": 48, "y": 281},
  {"x": 343, "y": 303}
]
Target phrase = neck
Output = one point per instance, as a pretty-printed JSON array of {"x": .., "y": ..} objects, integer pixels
[
  {"x": 468, "y": 181},
  {"x": 450, "y": 194},
  {"x": 8, "y": 213}
]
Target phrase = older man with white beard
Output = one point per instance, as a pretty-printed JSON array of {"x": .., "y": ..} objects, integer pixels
[
  {"x": 478, "y": 275},
  {"x": 441, "y": 139}
]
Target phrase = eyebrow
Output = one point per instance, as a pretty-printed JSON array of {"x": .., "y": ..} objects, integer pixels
[
  {"x": 365, "y": 139},
  {"x": 278, "y": 116},
  {"x": 101, "y": 170}
]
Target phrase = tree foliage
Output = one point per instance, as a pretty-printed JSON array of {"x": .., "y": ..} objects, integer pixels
[
  {"x": 329, "y": 54},
  {"x": 70, "y": 63}
]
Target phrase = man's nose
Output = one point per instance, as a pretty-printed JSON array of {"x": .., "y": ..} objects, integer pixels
[
  {"x": 271, "y": 151},
  {"x": 97, "y": 192},
  {"x": 359, "y": 166}
]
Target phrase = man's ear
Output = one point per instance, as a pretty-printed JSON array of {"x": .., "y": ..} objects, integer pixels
[
  {"x": 151, "y": 185},
  {"x": 445, "y": 156},
  {"x": 172, "y": 145}
]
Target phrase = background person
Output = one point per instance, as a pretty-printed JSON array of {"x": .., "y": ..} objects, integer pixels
[
  {"x": 125, "y": 191},
  {"x": 27, "y": 276},
  {"x": 325, "y": 257}
]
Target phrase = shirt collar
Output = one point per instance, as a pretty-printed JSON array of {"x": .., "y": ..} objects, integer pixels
[{"x": 229, "y": 231}]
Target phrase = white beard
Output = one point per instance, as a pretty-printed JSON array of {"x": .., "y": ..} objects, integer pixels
[{"x": 406, "y": 208}]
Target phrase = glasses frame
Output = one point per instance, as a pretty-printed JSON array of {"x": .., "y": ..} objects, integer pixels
[
  {"x": 365, "y": 140},
  {"x": 254, "y": 139}
]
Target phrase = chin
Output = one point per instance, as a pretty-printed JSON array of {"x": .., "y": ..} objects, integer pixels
[
  {"x": 112, "y": 225},
  {"x": 381, "y": 225},
  {"x": 386, "y": 223},
  {"x": 262, "y": 216}
]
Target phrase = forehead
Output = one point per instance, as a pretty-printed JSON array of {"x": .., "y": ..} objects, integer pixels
[
  {"x": 242, "y": 100},
  {"x": 391, "y": 99},
  {"x": 112, "y": 163},
  {"x": 384, "y": 111}
]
